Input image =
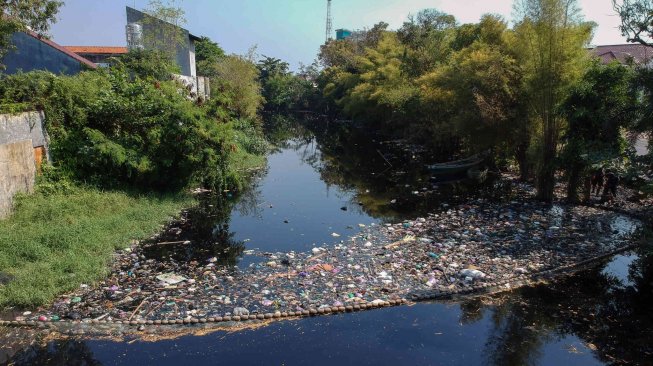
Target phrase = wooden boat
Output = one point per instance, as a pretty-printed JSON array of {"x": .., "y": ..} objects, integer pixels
[{"x": 457, "y": 166}]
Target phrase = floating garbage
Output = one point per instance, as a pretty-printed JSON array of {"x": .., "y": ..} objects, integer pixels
[
  {"x": 479, "y": 243},
  {"x": 170, "y": 278}
]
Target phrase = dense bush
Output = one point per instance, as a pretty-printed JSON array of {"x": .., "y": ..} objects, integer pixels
[{"x": 118, "y": 127}]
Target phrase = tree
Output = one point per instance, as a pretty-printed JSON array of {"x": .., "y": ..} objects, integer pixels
[
  {"x": 599, "y": 105},
  {"x": 384, "y": 90},
  {"x": 163, "y": 28},
  {"x": 207, "y": 54},
  {"x": 270, "y": 66},
  {"x": 427, "y": 37},
  {"x": 636, "y": 20},
  {"x": 207, "y": 50},
  {"x": 18, "y": 15},
  {"x": 147, "y": 64},
  {"x": 235, "y": 86},
  {"x": 551, "y": 40},
  {"x": 474, "y": 96}
]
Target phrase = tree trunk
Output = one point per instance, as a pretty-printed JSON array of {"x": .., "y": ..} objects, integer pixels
[
  {"x": 522, "y": 161},
  {"x": 573, "y": 183},
  {"x": 546, "y": 174}
]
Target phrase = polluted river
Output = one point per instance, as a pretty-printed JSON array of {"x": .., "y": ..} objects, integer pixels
[{"x": 450, "y": 271}]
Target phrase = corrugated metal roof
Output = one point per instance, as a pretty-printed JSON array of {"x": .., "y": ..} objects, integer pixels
[{"x": 97, "y": 49}]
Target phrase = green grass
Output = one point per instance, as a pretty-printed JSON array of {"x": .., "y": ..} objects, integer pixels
[{"x": 56, "y": 241}]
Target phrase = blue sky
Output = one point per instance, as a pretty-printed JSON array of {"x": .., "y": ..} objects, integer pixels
[{"x": 288, "y": 29}]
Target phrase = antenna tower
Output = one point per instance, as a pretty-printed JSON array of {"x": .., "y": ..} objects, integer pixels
[{"x": 329, "y": 22}]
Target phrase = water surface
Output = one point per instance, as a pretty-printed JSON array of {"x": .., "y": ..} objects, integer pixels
[{"x": 329, "y": 180}]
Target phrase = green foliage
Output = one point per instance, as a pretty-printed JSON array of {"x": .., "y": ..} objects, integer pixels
[
  {"x": 428, "y": 37},
  {"x": 61, "y": 237},
  {"x": 147, "y": 64},
  {"x": 599, "y": 106},
  {"x": 283, "y": 90},
  {"x": 236, "y": 78},
  {"x": 644, "y": 84},
  {"x": 113, "y": 128},
  {"x": 207, "y": 53}
]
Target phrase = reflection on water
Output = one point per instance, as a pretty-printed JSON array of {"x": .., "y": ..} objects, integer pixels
[
  {"x": 326, "y": 180},
  {"x": 330, "y": 179}
]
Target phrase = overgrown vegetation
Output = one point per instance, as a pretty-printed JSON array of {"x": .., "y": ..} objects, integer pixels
[
  {"x": 58, "y": 239},
  {"x": 126, "y": 143},
  {"x": 523, "y": 93},
  {"x": 129, "y": 126}
]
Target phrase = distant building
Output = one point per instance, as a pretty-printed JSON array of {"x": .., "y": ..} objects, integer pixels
[
  {"x": 635, "y": 53},
  {"x": 343, "y": 34},
  {"x": 32, "y": 52},
  {"x": 352, "y": 35},
  {"x": 97, "y": 54},
  {"x": 185, "y": 51},
  {"x": 142, "y": 27}
]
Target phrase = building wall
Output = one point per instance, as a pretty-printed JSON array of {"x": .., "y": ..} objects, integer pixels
[
  {"x": 191, "y": 54},
  {"x": 31, "y": 54},
  {"x": 183, "y": 57},
  {"x": 17, "y": 173}
]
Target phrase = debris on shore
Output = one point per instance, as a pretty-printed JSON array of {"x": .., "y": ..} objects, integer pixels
[{"x": 456, "y": 250}]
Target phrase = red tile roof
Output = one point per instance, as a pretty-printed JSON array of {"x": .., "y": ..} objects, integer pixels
[
  {"x": 61, "y": 49},
  {"x": 639, "y": 53},
  {"x": 97, "y": 49}
]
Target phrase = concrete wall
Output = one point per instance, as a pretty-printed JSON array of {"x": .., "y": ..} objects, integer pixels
[
  {"x": 24, "y": 126},
  {"x": 23, "y": 140},
  {"x": 31, "y": 54},
  {"x": 17, "y": 172},
  {"x": 198, "y": 85}
]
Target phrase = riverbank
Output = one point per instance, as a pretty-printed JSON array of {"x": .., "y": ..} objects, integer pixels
[
  {"x": 56, "y": 241},
  {"x": 467, "y": 249}
]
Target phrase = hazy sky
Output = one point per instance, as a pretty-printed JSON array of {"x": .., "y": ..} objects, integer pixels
[{"x": 288, "y": 29}]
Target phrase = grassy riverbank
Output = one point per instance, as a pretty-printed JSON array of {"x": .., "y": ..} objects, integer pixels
[{"x": 56, "y": 241}]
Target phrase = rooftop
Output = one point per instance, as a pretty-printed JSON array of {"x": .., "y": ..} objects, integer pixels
[
  {"x": 60, "y": 48},
  {"x": 97, "y": 49},
  {"x": 622, "y": 53}
]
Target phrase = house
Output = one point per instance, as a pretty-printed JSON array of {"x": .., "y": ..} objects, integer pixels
[
  {"x": 635, "y": 53},
  {"x": 32, "y": 52},
  {"x": 147, "y": 32},
  {"x": 99, "y": 55}
]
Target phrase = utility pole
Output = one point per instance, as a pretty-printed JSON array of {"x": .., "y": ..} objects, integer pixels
[{"x": 329, "y": 22}]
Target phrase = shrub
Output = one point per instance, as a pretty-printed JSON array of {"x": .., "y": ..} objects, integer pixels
[{"x": 113, "y": 128}]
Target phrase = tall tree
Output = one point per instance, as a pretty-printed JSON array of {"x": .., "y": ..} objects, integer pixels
[
  {"x": 602, "y": 103},
  {"x": 637, "y": 25},
  {"x": 17, "y": 15},
  {"x": 636, "y": 20},
  {"x": 207, "y": 54},
  {"x": 207, "y": 50},
  {"x": 428, "y": 37},
  {"x": 551, "y": 39}
]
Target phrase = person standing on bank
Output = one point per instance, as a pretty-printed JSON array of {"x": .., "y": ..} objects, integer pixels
[
  {"x": 611, "y": 183},
  {"x": 597, "y": 180}
]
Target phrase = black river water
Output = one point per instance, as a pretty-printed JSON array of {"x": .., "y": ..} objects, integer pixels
[{"x": 329, "y": 179}]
